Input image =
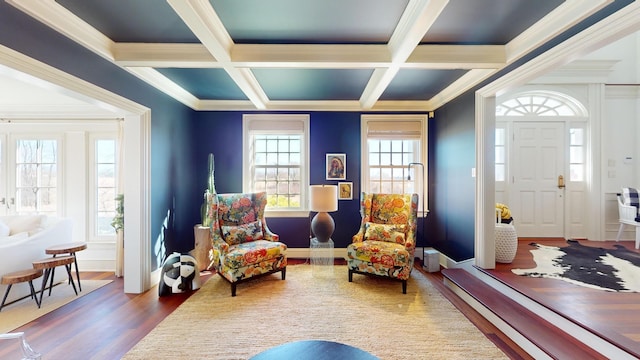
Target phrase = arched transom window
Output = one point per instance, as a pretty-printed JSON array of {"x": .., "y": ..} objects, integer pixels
[{"x": 538, "y": 103}]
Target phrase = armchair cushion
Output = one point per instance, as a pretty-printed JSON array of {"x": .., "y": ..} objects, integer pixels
[
  {"x": 242, "y": 233},
  {"x": 250, "y": 253},
  {"x": 394, "y": 233}
]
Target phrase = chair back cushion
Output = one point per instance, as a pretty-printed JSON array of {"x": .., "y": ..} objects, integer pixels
[
  {"x": 240, "y": 216},
  {"x": 388, "y": 217},
  {"x": 630, "y": 197},
  {"x": 395, "y": 233},
  {"x": 387, "y": 208}
]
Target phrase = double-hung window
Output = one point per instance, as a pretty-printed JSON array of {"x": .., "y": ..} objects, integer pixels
[
  {"x": 37, "y": 180},
  {"x": 103, "y": 185},
  {"x": 394, "y": 154},
  {"x": 275, "y": 159}
]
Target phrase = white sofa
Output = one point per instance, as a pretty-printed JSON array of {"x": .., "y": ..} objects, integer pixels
[{"x": 27, "y": 238}]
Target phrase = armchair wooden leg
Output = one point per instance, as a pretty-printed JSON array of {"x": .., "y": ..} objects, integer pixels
[
  {"x": 233, "y": 289},
  {"x": 404, "y": 286},
  {"x": 284, "y": 273},
  {"x": 350, "y": 275}
]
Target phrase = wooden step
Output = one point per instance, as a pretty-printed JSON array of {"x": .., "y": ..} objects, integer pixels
[{"x": 547, "y": 337}]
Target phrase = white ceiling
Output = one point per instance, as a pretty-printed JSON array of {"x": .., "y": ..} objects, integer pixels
[{"x": 23, "y": 96}]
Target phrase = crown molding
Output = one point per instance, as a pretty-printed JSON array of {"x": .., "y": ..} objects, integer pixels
[
  {"x": 622, "y": 91},
  {"x": 579, "y": 72}
]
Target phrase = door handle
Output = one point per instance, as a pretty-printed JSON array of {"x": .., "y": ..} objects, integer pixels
[{"x": 560, "y": 182}]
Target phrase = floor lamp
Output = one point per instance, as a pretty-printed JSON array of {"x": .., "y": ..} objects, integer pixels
[
  {"x": 421, "y": 196},
  {"x": 324, "y": 199}
]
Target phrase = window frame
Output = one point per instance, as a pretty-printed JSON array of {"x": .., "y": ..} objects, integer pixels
[
  {"x": 92, "y": 185},
  {"x": 60, "y": 168},
  {"x": 272, "y": 124},
  {"x": 421, "y": 182}
]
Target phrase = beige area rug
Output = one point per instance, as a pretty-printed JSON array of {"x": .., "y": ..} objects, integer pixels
[
  {"x": 21, "y": 312},
  {"x": 370, "y": 313}
]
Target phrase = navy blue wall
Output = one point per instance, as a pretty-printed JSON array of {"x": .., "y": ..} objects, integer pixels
[
  {"x": 451, "y": 187},
  {"x": 220, "y": 133},
  {"x": 170, "y": 128}
]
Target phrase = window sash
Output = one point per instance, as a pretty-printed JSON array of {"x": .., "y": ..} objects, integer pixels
[
  {"x": 275, "y": 159},
  {"x": 390, "y": 143}
]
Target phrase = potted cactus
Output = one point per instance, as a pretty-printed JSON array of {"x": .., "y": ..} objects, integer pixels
[{"x": 209, "y": 194}]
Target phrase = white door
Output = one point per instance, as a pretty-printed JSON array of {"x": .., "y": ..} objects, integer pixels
[{"x": 537, "y": 194}]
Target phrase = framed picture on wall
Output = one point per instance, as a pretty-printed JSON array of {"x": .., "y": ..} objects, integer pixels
[
  {"x": 336, "y": 166},
  {"x": 345, "y": 191}
]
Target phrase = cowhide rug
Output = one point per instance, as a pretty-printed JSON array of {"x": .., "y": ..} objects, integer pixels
[{"x": 598, "y": 268}]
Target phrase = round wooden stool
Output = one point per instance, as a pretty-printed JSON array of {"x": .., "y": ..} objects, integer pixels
[
  {"x": 48, "y": 264},
  {"x": 71, "y": 249},
  {"x": 17, "y": 277}
]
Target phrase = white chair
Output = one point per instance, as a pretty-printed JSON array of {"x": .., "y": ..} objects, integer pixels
[
  {"x": 27, "y": 352},
  {"x": 627, "y": 216}
]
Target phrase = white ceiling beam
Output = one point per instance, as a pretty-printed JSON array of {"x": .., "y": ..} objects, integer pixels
[
  {"x": 205, "y": 24},
  {"x": 462, "y": 84},
  {"x": 162, "y": 83},
  {"x": 311, "y": 105},
  {"x": 164, "y": 55},
  {"x": 303, "y": 55},
  {"x": 413, "y": 25},
  {"x": 225, "y": 105},
  {"x": 62, "y": 20},
  {"x": 402, "y": 105},
  {"x": 203, "y": 21},
  {"x": 309, "y": 56},
  {"x": 562, "y": 18},
  {"x": 457, "y": 57}
]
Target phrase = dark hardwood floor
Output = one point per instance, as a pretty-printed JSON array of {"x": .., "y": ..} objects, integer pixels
[
  {"x": 106, "y": 323},
  {"x": 613, "y": 316}
]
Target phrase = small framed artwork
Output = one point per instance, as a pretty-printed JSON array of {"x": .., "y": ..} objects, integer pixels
[
  {"x": 345, "y": 191},
  {"x": 336, "y": 168}
]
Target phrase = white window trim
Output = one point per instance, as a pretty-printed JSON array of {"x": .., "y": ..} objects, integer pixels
[
  {"x": 91, "y": 184},
  {"x": 280, "y": 122},
  {"x": 423, "y": 154},
  {"x": 60, "y": 166}
]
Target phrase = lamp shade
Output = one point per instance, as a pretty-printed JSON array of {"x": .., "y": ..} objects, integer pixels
[{"x": 324, "y": 198}]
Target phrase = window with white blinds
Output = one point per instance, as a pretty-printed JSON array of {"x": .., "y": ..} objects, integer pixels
[
  {"x": 275, "y": 159},
  {"x": 394, "y": 154}
]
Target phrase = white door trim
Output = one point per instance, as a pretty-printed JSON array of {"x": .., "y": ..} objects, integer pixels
[
  {"x": 614, "y": 27},
  {"x": 137, "y": 269}
]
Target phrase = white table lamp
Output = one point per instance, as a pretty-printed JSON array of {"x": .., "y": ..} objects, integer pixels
[{"x": 324, "y": 199}]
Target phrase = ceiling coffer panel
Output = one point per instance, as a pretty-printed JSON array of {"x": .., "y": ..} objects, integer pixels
[{"x": 335, "y": 55}]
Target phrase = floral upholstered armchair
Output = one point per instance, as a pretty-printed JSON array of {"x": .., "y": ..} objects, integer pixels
[
  {"x": 386, "y": 242},
  {"x": 243, "y": 245}
]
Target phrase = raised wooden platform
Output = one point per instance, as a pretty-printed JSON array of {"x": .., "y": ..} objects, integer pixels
[{"x": 546, "y": 339}]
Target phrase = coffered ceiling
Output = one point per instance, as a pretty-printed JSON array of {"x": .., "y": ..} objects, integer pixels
[{"x": 331, "y": 55}]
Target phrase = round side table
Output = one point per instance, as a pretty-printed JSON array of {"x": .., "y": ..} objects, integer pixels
[
  {"x": 321, "y": 257},
  {"x": 506, "y": 243},
  {"x": 17, "y": 277},
  {"x": 47, "y": 265},
  {"x": 71, "y": 249}
]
